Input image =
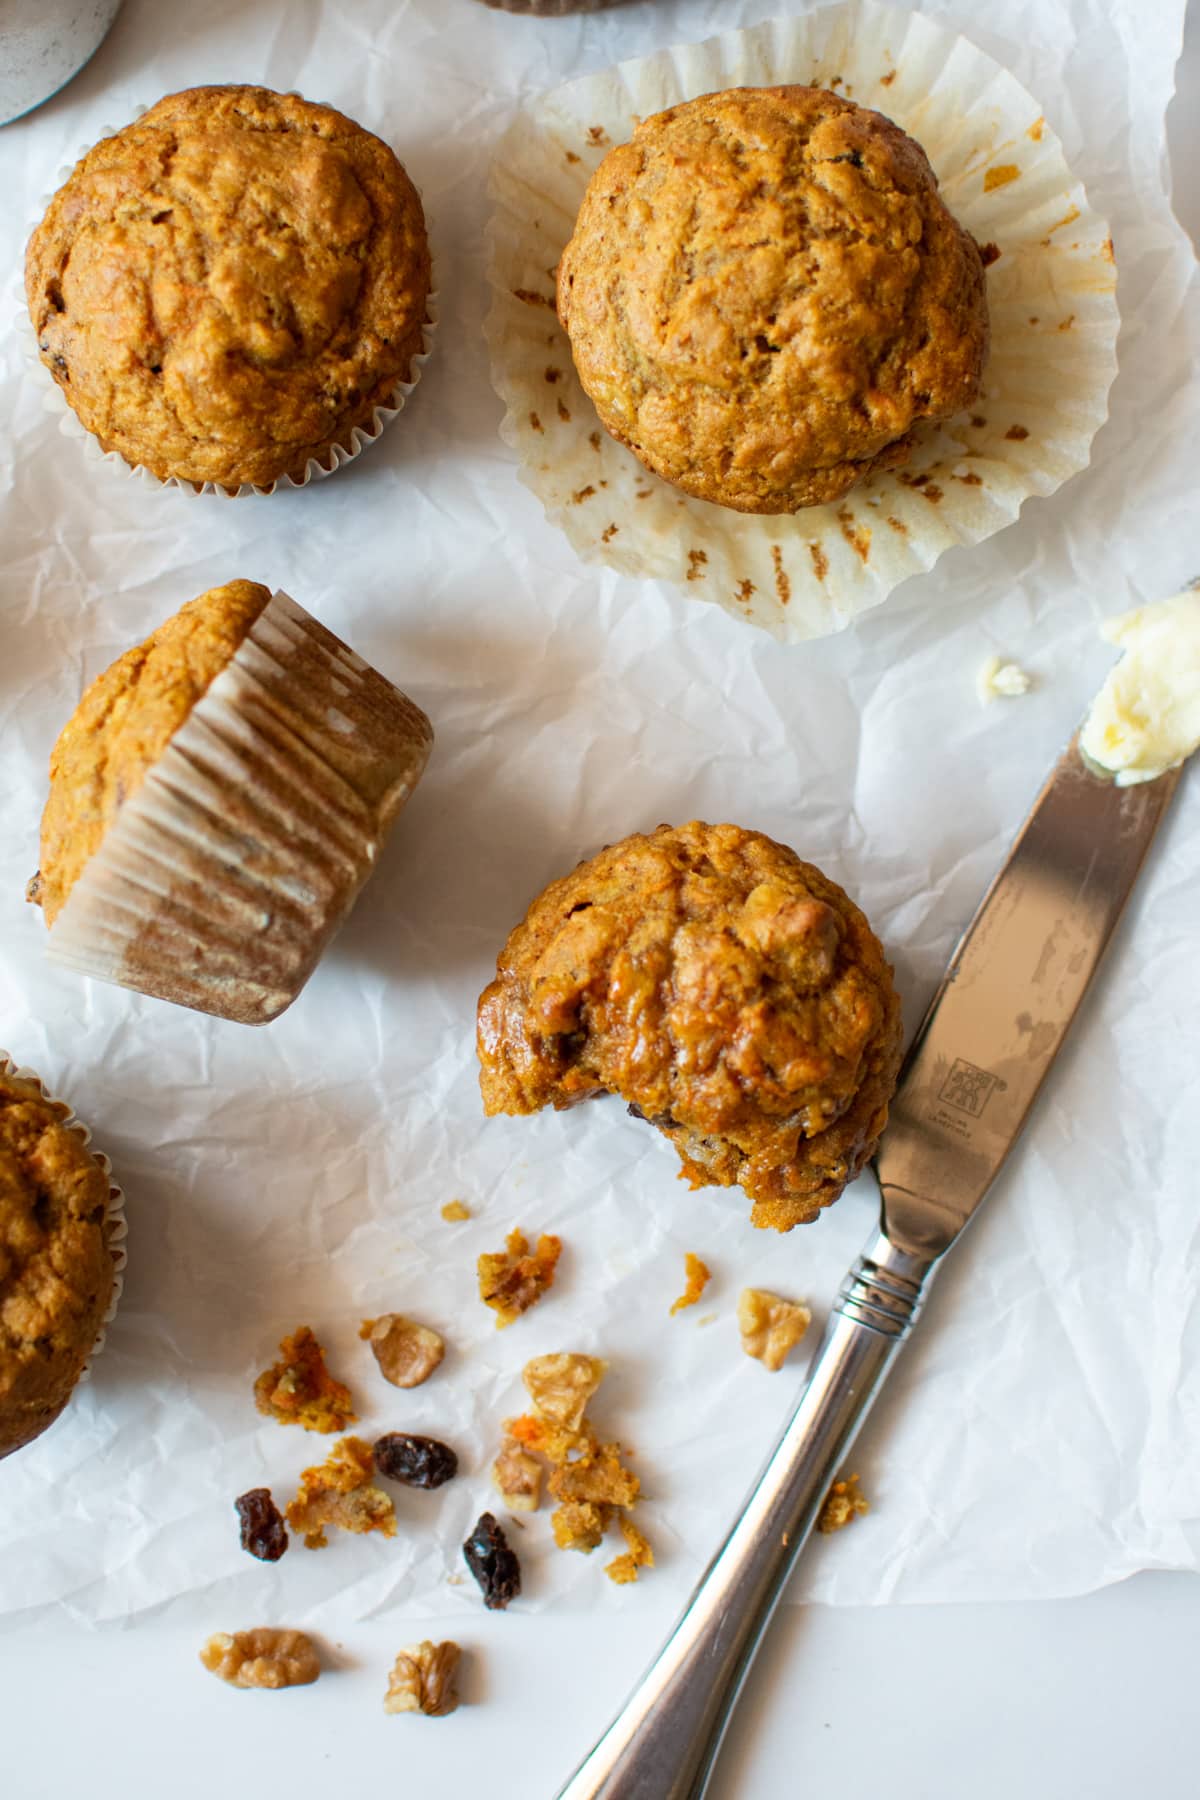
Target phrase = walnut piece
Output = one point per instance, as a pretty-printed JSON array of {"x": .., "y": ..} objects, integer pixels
[
  {"x": 561, "y": 1385},
  {"x": 423, "y": 1680},
  {"x": 262, "y": 1658},
  {"x": 517, "y": 1477},
  {"x": 340, "y": 1491},
  {"x": 639, "y": 1555},
  {"x": 579, "y": 1524},
  {"x": 696, "y": 1278},
  {"x": 299, "y": 1390},
  {"x": 843, "y": 1504},
  {"x": 514, "y": 1279},
  {"x": 407, "y": 1353},
  {"x": 770, "y": 1326}
]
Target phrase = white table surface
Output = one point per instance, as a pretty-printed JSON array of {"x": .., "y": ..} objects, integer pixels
[{"x": 1081, "y": 1699}]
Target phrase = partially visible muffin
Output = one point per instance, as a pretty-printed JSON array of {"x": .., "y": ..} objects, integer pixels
[
  {"x": 766, "y": 295},
  {"x": 229, "y": 287},
  {"x": 57, "y": 1270},
  {"x": 733, "y": 995},
  {"x": 217, "y": 801},
  {"x": 125, "y": 721}
]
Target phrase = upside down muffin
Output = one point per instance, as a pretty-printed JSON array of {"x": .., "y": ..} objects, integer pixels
[
  {"x": 231, "y": 285},
  {"x": 765, "y": 295},
  {"x": 57, "y": 1270},
  {"x": 732, "y": 995},
  {"x": 218, "y": 799}
]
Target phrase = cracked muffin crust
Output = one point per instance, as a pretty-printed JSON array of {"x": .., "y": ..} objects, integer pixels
[
  {"x": 733, "y": 995},
  {"x": 56, "y": 1265},
  {"x": 125, "y": 721},
  {"x": 229, "y": 286},
  {"x": 765, "y": 295}
]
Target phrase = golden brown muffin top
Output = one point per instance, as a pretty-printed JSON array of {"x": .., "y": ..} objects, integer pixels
[
  {"x": 56, "y": 1267},
  {"x": 733, "y": 995},
  {"x": 231, "y": 284},
  {"x": 764, "y": 293},
  {"x": 125, "y": 721}
]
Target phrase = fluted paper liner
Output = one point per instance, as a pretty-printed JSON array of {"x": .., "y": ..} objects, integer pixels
[
  {"x": 71, "y": 426},
  {"x": 1051, "y": 296},
  {"x": 116, "y": 1228},
  {"x": 222, "y": 879}
]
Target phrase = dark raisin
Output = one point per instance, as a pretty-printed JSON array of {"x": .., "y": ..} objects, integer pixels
[
  {"x": 420, "y": 1461},
  {"x": 263, "y": 1533},
  {"x": 493, "y": 1563}
]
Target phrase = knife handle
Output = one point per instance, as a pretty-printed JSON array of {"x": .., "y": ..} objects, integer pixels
[{"x": 664, "y": 1742}]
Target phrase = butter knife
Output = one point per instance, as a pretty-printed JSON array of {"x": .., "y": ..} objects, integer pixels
[{"x": 972, "y": 1073}]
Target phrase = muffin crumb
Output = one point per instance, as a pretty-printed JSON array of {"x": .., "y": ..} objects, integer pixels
[
  {"x": 697, "y": 1276},
  {"x": 842, "y": 1505},
  {"x": 341, "y": 1492},
  {"x": 513, "y": 1280},
  {"x": 299, "y": 1390}
]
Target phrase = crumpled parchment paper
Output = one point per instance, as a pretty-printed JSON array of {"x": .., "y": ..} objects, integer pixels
[{"x": 1042, "y": 1433}]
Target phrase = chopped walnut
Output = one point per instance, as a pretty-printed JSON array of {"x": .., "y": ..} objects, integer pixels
[
  {"x": 597, "y": 1475},
  {"x": 407, "y": 1353},
  {"x": 299, "y": 1390},
  {"x": 423, "y": 1680},
  {"x": 262, "y": 1658},
  {"x": 455, "y": 1210},
  {"x": 639, "y": 1555},
  {"x": 843, "y": 1504},
  {"x": 770, "y": 1326},
  {"x": 340, "y": 1492},
  {"x": 697, "y": 1276},
  {"x": 579, "y": 1525},
  {"x": 561, "y": 1385},
  {"x": 513, "y": 1280},
  {"x": 517, "y": 1477}
]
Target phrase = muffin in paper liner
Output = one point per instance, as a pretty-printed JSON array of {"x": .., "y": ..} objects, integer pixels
[
  {"x": 359, "y": 437},
  {"x": 1051, "y": 298},
  {"x": 116, "y": 1226},
  {"x": 222, "y": 879}
]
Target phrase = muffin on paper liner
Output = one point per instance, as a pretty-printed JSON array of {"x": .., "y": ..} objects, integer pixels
[
  {"x": 116, "y": 1228},
  {"x": 222, "y": 879},
  {"x": 1051, "y": 297},
  {"x": 72, "y": 427}
]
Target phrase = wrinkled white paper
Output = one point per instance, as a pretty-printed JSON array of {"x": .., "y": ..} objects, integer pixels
[{"x": 1042, "y": 1433}]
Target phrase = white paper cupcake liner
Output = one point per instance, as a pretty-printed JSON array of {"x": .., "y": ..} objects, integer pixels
[
  {"x": 221, "y": 881},
  {"x": 336, "y": 458},
  {"x": 116, "y": 1228},
  {"x": 1051, "y": 296}
]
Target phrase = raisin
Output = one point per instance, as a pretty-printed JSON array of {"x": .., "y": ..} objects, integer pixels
[
  {"x": 420, "y": 1461},
  {"x": 263, "y": 1532},
  {"x": 493, "y": 1563}
]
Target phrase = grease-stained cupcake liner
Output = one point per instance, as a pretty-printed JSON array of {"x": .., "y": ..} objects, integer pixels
[
  {"x": 222, "y": 879},
  {"x": 116, "y": 1228},
  {"x": 358, "y": 438},
  {"x": 1051, "y": 296}
]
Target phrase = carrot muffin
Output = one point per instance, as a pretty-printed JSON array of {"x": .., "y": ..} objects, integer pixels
[
  {"x": 733, "y": 995},
  {"x": 765, "y": 296},
  {"x": 57, "y": 1270},
  {"x": 231, "y": 285},
  {"x": 216, "y": 802}
]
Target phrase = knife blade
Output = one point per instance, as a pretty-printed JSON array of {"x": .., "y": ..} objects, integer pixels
[
  {"x": 979, "y": 1059},
  {"x": 1008, "y": 997}
]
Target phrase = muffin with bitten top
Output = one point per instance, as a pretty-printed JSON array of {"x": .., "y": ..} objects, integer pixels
[{"x": 731, "y": 994}]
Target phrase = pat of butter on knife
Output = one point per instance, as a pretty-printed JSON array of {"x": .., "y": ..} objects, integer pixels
[{"x": 1146, "y": 717}]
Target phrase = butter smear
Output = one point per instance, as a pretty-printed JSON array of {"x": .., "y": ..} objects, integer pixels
[{"x": 1146, "y": 718}]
